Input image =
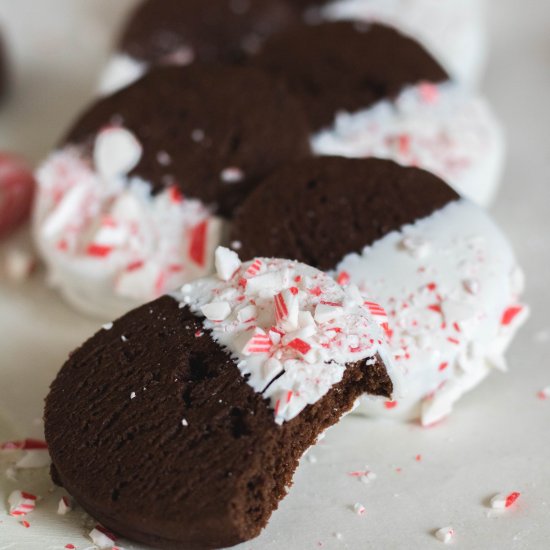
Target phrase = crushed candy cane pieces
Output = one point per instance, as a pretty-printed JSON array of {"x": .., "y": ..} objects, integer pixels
[
  {"x": 21, "y": 503},
  {"x": 65, "y": 506},
  {"x": 502, "y": 501},
  {"x": 102, "y": 538}
]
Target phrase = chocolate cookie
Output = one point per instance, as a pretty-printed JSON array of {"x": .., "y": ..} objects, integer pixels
[
  {"x": 206, "y": 119},
  {"x": 437, "y": 263},
  {"x": 322, "y": 209},
  {"x": 216, "y": 30},
  {"x": 346, "y": 66},
  {"x": 133, "y": 203},
  {"x": 184, "y": 432}
]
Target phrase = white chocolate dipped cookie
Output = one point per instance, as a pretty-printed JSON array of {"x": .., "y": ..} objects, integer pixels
[
  {"x": 132, "y": 205},
  {"x": 441, "y": 269}
]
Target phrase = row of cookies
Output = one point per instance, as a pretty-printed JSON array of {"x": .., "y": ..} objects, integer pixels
[{"x": 363, "y": 282}]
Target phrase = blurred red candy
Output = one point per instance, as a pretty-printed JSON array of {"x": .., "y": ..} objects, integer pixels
[{"x": 16, "y": 192}]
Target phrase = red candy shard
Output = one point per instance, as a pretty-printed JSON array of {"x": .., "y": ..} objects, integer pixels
[
  {"x": 98, "y": 250},
  {"x": 299, "y": 345},
  {"x": 24, "y": 445},
  {"x": 390, "y": 404},
  {"x": 16, "y": 192},
  {"x": 197, "y": 249},
  {"x": 510, "y": 314},
  {"x": 511, "y": 498},
  {"x": 343, "y": 278},
  {"x": 443, "y": 366}
]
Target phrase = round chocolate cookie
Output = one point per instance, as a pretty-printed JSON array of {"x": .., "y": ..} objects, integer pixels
[
  {"x": 324, "y": 208},
  {"x": 346, "y": 66},
  {"x": 156, "y": 431},
  {"x": 220, "y": 129},
  {"x": 214, "y": 30}
]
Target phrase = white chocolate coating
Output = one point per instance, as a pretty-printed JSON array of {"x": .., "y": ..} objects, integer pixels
[
  {"x": 443, "y": 129},
  {"x": 451, "y": 30},
  {"x": 108, "y": 244},
  {"x": 291, "y": 329},
  {"x": 451, "y": 288}
]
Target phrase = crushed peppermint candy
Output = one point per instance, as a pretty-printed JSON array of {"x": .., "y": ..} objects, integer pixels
[
  {"x": 102, "y": 538},
  {"x": 502, "y": 501},
  {"x": 544, "y": 393},
  {"x": 95, "y": 217},
  {"x": 65, "y": 506},
  {"x": 291, "y": 328},
  {"x": 445, "y": 534},
  {"x": 21, "y": 503},
  {"x": 359, "y": 509}
]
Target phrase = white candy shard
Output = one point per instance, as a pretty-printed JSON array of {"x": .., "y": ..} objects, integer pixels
[
  {"x": 227, "y": 263},
  {"x": 102, "y": 538},
  {"x": 445, "y": 534},
  {"x": 65, "y": 506},
  {"x": 216, "y": 311},
  {"x": 116, "y": 152},
  {"x": 33, "y": 459}
]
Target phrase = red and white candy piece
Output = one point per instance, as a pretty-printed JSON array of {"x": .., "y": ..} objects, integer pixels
[
  {"x": 102, "y": 538},
  {"x": 24, "y": 445},
  {"x": 359, "y": 509},
  {"x": 445, "y": 534},
  {"x": 256, "y": 341},
  {"x": 116, "y": 152},
  {"x": 21, "y": 503},
  {"x": 16, "y": 192},
  {"x": 502, "y": 501},
  {"x": 227, "y": 263}
]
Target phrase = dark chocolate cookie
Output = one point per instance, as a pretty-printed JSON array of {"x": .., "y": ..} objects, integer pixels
[
  {"x": 346, "y": 66},
  {"x": 208, "y": 120},
  {"x": 211, "y": 30},
  {"x": 155, "y": 431},
  {"x": 324, "y": 208}
]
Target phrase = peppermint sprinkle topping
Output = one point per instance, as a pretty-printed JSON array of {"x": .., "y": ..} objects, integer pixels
[
  {"x": 359, "y": 509},
  {"x": 291, "y": 329}
]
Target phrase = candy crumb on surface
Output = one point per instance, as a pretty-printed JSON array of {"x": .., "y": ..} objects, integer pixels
[
  {"x": 501, "y": 501},
  {"x": 445, "y": 534}
]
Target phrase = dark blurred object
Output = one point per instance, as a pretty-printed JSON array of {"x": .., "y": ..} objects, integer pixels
[{"x": 164, "y": 31}]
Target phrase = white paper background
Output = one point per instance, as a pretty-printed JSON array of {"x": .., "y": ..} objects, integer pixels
[{"x": 498, "y": 439}]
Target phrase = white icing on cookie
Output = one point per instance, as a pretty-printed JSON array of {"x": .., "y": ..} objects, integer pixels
[
  {"x": 442, "y": 128},
  {"x": 451, "y": 288},
  {"x": 110, "y": 245},
  {"x": 451, "y": 30},
  {"x": 290, "y": 328},
  {"x": 121, "y": 71}
]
